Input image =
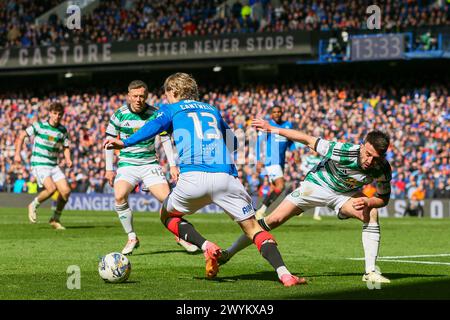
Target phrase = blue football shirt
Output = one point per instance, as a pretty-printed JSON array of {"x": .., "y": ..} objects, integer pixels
[
  {"x": 275, "y": 145},
  {"x": 203, "y": 140}
]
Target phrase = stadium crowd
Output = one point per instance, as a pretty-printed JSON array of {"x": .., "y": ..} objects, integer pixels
[
  {"x": 416, "y": 118},
  {"x": 124, "y": 20}
]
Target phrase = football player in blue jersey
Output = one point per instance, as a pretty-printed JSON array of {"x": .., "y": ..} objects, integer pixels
[
  {"x": 205, "y": 145},
  {"x": 275, "y": 156}
]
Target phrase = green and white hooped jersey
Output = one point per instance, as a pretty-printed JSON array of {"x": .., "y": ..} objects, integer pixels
[
  {"x": 123, "y": 124},
  {"x": 47, "y": 143},
  {"x": 309, "y": 162},
  {"x": 340, "y": 171}
]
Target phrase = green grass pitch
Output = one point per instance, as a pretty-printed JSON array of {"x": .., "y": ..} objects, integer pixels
[{"x": 35, "y": 259}]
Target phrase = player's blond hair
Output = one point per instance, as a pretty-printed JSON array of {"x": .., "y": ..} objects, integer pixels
[{"x": 182, "y": 85}]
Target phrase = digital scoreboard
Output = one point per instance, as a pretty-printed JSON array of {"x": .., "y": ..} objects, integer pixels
[{"x": 377, "y": 47}]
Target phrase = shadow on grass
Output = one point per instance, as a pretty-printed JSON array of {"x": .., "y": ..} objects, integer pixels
[
  {"x": 262, "y": 275},
  {"x": 167, "y": 251},
  {"x": 426, "y": 289},
  {"x": 42, "y": 227},
  {"x": 121, "y": 283},
  {"x": 423, "y": 290},
  {"x": 321, "y": 226},
  {"x": 391, "y": 276},
  {"x": 89, "y": 227}
]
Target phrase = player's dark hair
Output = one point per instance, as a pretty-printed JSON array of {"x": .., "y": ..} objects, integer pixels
[
  {"x": 276, "y": 107},
  {"x": 56, "y": 106},
  {"x": 379, "y": 140},
  {"x": 135, "y": 84},
  {"x": 182, "y": 85}
]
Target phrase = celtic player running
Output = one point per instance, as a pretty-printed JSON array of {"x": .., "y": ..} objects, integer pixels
[
  {"x": 138, "y": 163},
  {"x": 336, "y": 182},
  {"x": 49, "y": 137}
]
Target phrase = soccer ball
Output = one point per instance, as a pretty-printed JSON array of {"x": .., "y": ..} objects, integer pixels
[{"x": 114, "y": 267}]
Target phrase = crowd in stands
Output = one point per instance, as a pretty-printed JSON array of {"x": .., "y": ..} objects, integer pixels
[
  {"x": 124, "y": 20},
  {"x": 416, "y": 118}
]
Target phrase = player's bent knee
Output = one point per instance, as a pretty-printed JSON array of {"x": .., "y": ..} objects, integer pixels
[
  {"x": 163, "y": 211},
  {"x": 121, "y": 199},
  {"x": 51, "y": 189},
  {"x": 175, "y": 214},
  {"x": 65, "y": 194},
  {"x": 164, "y": 215},
  {"x": 65, "y": 190}
]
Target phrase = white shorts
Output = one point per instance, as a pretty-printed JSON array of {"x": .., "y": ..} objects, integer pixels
[
  {"x": 310, "y": 195},
  {"x": 42, "y": 173},
  {"x": 150, "y": 174},
  {"x": 194, "y": 190},
  {"x": 274, "y": 172}
]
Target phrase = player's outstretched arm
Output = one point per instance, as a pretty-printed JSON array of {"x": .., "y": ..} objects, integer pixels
[
  {"x": 109, "y": 166},
  {"x": 373, "y": 202},
  {"x": 378, "y": 201},
  {"x": 383, "y": 185},
  {"x": 19, "y": 142},
  {"x": 291, "y": 134},
  {"x": 148, "y": 131},
  {"x": 161, "y": 123},
  {"x": 113, "y": 143},
  {"x": 168, "y": 150}
]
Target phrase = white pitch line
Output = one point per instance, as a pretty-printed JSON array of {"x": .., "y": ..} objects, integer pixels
[
  {"x": 418, "y": 256},
  {"x": 404, "y": 257},
  {"x": 419, "y": 262}
]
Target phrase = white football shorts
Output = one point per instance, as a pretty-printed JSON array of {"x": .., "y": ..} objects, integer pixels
[
  {"x": 150, "y": 174},
  {"x": 42, "y": 173},
  {"x": 196, "y": 189},
  {"x": 310, "y": 195}
]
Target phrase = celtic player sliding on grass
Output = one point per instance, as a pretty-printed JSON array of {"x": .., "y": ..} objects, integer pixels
[{"x": 336, "y": 182}]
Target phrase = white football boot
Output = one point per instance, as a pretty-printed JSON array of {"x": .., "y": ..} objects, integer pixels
[
  {"x": 32, "y": 213},
  {"x": 130, "y": 246},
  {"x": 189, "y": 247},
  {"x": 375, "y": 277},
  {"x": 56, "y": 225}
]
